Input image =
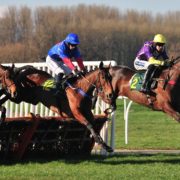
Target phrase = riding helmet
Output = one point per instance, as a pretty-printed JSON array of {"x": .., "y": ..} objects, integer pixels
[
  {"x": 72, "y": 39},
  {"x": 159, "y": 38}
]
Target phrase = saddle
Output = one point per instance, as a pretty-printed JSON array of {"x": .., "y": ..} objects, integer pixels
[{"x": 137, "y": 80}]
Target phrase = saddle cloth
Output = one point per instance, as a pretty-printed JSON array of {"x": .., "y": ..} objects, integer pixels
[{"x": 136, "y": 81}]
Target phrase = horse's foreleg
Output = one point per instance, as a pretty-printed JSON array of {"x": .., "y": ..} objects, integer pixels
[
  {"x": 170, "y": 111},
  {"x": 85, "y": 119},
  {"x": 3, "y": 100},
  {"x": 88, "y": 118},
  {"x": 3, "y": 113},
  {"x": 2, "y": 108},
  {"x": 1, "y": 92},
  {"x": 81, "y": 111},
  {"x": 98, "y": 139}
]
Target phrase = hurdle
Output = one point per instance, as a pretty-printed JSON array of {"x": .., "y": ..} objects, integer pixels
[{"x": 15, "y": 142}]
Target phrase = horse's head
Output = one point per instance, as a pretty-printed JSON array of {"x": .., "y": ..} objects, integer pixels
[
  {"x": 172, "y": 70},
  {"x": 7, "y": 79},
  {"x": 104, "y": 85}
]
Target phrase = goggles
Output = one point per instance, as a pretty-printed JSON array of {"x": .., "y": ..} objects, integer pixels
[
  {"x": 73, "y": 45},
  {"x": 160, "y": 44}
]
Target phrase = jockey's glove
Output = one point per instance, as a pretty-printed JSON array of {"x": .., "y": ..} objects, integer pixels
[
  {"x": 84, "y": 71},
  {"x": 154, "y": 61},
  {"x": 75, "y": 71}
]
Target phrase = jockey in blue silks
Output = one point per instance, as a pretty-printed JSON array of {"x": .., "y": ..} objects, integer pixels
[
  {"x": 151, "y": 55},
  {"x": 61, "y": 54}
]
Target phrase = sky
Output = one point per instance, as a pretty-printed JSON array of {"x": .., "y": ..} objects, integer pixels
[{"x": 153, "y": 6}]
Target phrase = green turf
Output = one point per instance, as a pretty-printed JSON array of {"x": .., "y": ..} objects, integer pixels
[
  {"x": 147, "y": 129},
  {"x": 128, "y": 167}
]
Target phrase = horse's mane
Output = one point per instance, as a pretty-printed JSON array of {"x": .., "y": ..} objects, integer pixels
[
  {"x": 122, "y": 67},
  {"x": 88, "y": 73},
  {"x": 28, "y": 69}
]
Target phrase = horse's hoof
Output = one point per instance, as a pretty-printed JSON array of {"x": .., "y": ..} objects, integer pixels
[{"x": 108, "y": 148}]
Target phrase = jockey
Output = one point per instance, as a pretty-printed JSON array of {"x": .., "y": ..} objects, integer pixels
[
  {"x": 60, "y": 56},
  {"x": 150, "y": 56}
]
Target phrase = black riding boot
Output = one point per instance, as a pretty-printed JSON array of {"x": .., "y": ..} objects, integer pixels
[
  {"x": 59, "y": 78},
  {"x": 147, "y": 80}
]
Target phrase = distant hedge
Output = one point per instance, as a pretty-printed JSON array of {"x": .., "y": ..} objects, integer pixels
[{"x": 105, "y": 32}]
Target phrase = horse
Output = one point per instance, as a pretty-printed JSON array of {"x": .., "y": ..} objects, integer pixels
[
  {"x": 7, "y": 81},
  {"x": 73, "y": 101},
  {"x": 165, "y": 95},
  {"x": 7, "y": 86}
]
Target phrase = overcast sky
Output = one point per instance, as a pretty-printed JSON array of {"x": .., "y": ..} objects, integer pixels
[{"x": 153, "y": 6}]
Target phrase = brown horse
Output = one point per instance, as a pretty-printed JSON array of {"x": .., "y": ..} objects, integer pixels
[
  {"x": 165, "y": 97},
  {"x": 72, "y": 102},
  {"x": 6, "y": 79},
  {"x": 7, "y": 86}
]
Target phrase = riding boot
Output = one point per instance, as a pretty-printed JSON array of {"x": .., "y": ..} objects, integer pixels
[
  {"x": 59, "y": 78},
  {"x": 146, "y": 84}
]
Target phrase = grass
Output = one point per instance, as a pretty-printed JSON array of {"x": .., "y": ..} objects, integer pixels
[
  {"x": 147, "y": 130},
  {"x": 97, "y": 167}
]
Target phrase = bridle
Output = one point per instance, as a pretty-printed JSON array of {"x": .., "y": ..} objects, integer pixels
[
  {"x": 99, "y": 88},
  {"x": 6, "y": 82}
]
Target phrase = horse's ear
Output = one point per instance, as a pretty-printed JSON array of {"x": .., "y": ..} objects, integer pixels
[
  {"x": 101, "y": 65},
  {"x": 13, "y": 66},
  {"x": 109, "y": 65}
]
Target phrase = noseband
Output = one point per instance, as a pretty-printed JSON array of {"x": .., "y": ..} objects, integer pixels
[{"x": 110, "y": 97}]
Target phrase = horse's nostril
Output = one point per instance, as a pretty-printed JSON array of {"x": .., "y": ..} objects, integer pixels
[
  {"x": 109, "y": 96},
  {"x": 15, "y": 94}
]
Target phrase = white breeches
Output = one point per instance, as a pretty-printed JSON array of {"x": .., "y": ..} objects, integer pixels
[
  {"x": 141, "y": 64},
  {"x": 57, "y": 66}
]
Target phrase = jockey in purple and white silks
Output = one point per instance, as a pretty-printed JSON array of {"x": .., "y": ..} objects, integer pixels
[
  {"x": 61, "y": 54},
  {"x": 151, "y": 55}
]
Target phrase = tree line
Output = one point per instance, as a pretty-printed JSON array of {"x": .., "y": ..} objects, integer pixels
[{"x": 105, "y": 32}]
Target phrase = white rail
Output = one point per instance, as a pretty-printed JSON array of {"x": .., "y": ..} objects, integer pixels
[{"x": 23, "y": 109}]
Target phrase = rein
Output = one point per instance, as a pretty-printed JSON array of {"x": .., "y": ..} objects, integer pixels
[
  {"x": 98, "y": 90},
  {"x": 101, "y": 90},
  {"x": 92, "y": 84}
]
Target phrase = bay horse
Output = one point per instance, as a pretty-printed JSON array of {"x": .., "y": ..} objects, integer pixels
[
  {"x": 7, "y": 83},
  {"x": 7, "y": 86},
  {"x": 34, "y": 86},
  {"x": 165, "y": 97}
]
